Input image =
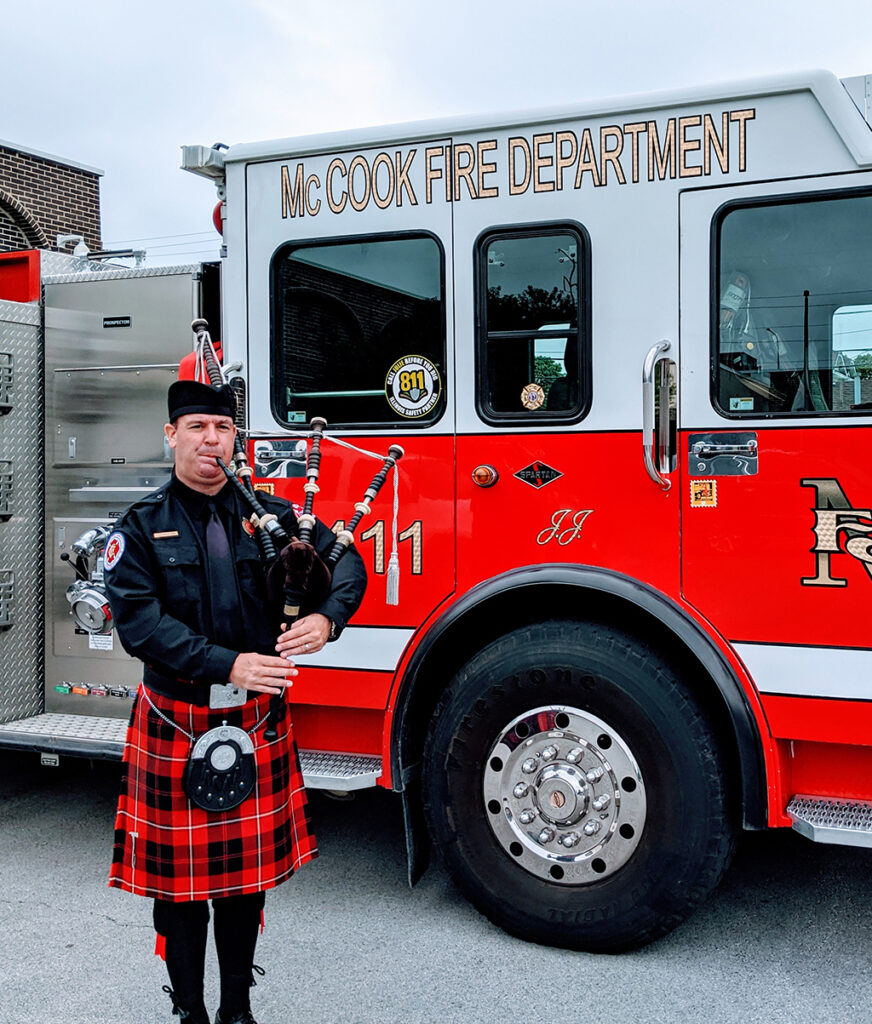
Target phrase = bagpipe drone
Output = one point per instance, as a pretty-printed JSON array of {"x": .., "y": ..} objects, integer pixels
[{"x": 297, "y": 576}]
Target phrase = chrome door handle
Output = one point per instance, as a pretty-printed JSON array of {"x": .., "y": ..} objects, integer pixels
[
  {"x": 648, "y": 414},
  {"x": 707, "y": 450}
]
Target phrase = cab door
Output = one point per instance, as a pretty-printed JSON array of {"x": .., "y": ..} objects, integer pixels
[
  {"x": 555, "y": 319},
  {"x": 776, "y": 433}
]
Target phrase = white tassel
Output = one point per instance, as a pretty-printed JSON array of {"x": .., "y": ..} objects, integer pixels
[
  {"x": 393, "y": 591},
  {"x": 392, "y": 595}
]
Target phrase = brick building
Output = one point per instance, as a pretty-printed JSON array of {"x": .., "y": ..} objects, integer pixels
[{"x": 42, "y": 196}]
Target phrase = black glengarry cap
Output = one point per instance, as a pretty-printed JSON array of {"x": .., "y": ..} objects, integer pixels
[{"x": 190, "y": 396}]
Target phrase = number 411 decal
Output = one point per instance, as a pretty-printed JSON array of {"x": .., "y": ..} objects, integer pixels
[{"x": 376, "y": 533}]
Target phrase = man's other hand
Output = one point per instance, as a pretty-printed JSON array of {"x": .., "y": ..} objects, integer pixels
[{"x": 262, "y": 673}]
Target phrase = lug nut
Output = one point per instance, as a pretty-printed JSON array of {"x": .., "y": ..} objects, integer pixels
[
  {"x": 576, "y": 754},
  {"x": 591, "y": 828},
  {"x": 570, "y": 839},
  {"x": 549, "y": 753},
  {"x": 595, "y": 774},
  {"x": 602, "y": 802},
  {"x": 530, "y": 765},
  {"x": 526, "y": 816},
  {"x": 546, "y": 835},
  {"x": 521, "y": 790}
]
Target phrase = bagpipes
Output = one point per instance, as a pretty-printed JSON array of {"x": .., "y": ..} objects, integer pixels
[{"x": 296, "y": 574}]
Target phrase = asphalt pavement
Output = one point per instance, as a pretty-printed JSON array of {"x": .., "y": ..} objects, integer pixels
[{"x": 786, "y": 938}]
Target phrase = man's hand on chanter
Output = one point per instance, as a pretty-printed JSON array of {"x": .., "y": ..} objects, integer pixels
[
  {"x": 262, "y": 673},
  {"x": 306, "y": 636}
]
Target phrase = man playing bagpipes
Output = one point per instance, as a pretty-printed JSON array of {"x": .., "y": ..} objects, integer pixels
[{"x": 212, "y": 804}]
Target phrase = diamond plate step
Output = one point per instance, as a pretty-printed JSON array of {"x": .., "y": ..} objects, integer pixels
[
  {"x": 328, "y": 770},
  {"x": 93, "y": 736},
  {"x": 826, "y": 819},
  {"x": 81, "y": 735}
]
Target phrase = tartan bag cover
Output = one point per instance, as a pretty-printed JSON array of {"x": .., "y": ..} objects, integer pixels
[{"x": 168, "y": 848}]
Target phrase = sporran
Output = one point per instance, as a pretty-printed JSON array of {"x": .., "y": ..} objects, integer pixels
[{"x": 221, "y": 771}]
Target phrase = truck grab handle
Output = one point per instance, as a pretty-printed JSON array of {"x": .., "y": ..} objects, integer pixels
[{"x": 648, "y": 389}]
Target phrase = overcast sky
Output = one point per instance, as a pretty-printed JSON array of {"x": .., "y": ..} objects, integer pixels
[{"x": 120, "y": 86}]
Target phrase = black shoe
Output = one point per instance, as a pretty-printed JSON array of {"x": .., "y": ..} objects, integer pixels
[
  {"x": 196, "y": 1015},
  {"x": 244, "y": 1017}
]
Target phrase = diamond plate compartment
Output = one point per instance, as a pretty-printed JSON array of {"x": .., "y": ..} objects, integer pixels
[
  {"x": 7, "y": 376},
  {"x": 6, "y": 489},
  {"x": 21, "y": 540}
]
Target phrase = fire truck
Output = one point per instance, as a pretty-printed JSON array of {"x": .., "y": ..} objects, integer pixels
[{"x": 627, "y": 350}]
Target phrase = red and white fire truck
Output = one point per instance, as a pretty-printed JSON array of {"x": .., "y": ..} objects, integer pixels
[{"x": 627, "y": 350}]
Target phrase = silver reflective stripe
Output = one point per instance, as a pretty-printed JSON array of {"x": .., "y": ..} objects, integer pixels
[
  {"x": 809, "y": 671},
  {"x": 366, "y": 647}
]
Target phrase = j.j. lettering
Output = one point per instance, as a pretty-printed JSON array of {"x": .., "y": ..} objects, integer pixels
[{"x": 566, "y": 525}]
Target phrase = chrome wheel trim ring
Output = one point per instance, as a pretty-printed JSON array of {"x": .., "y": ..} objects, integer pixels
[{"x": 564, "y": 795}]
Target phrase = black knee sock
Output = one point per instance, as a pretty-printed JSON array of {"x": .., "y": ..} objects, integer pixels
[
  {"x": 185, "y": 927},
  {"x": 237, "y": 921}
]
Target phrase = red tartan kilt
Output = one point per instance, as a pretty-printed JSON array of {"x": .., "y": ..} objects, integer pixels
[{"x": 166, "y": 847}]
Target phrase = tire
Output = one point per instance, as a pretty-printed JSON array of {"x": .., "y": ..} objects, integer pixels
[{"x": 546, "y": 722}]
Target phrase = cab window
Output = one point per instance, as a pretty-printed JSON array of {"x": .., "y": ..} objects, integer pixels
[
  {"x": 792, "y": 321},
  {"x": 359, "y": 332},
  {"x": 532, "y": 338}
]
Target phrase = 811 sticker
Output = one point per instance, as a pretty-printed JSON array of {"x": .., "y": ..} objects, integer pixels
[{"x": 413, "y": 386}]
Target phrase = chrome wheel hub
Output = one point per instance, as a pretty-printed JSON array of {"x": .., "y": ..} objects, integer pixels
[
  {"x": 564, "y": 795},
  {"x": 561, "y": 795}
]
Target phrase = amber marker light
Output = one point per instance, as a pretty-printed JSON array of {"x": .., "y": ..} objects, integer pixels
[{"x": 485, "y": 476}]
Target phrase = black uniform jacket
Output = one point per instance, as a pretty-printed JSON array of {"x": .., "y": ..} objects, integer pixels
[{"x": 159, "y": 593}]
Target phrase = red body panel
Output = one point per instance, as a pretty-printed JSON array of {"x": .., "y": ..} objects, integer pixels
[
  {"x": 631, "y": 526},
  {"x": 823, "y": 769},
  {"x": 345, "y": 729},
  {"x": 19, "y": 276},
  {"x": 823, "y": 721},
  {"x": 426, "y": 496},
  {"x": 341, "y": 688},
  {"x": 745, "y": 560}
]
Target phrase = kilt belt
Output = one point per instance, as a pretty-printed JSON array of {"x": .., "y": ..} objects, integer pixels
[
  {"x": 178, "y": 689},
  {"x": 167, "y": 848}
]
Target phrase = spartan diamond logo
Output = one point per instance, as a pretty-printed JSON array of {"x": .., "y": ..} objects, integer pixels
[{"x": 537, "y": 474}]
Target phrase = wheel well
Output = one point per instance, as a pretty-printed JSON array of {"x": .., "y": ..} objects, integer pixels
[{"x": 511, "y": 608}]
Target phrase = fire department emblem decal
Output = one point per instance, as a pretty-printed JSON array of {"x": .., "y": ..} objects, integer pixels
[
  {"x": 533, "y": 397},
  {"x": 839, "y": 529},
  {"x": 114, "y": 550},
  {"x": 413, "y": 386},
  {"x": 537, "y": 474}
]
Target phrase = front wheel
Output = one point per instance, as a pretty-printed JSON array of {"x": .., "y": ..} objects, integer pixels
[{"x": 576, "y": 789}]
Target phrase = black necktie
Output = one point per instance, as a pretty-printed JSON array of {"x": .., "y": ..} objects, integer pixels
[{"x": 222, "y": 578}]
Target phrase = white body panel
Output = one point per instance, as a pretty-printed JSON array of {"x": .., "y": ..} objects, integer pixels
[{"x": 798, "y": 126}]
